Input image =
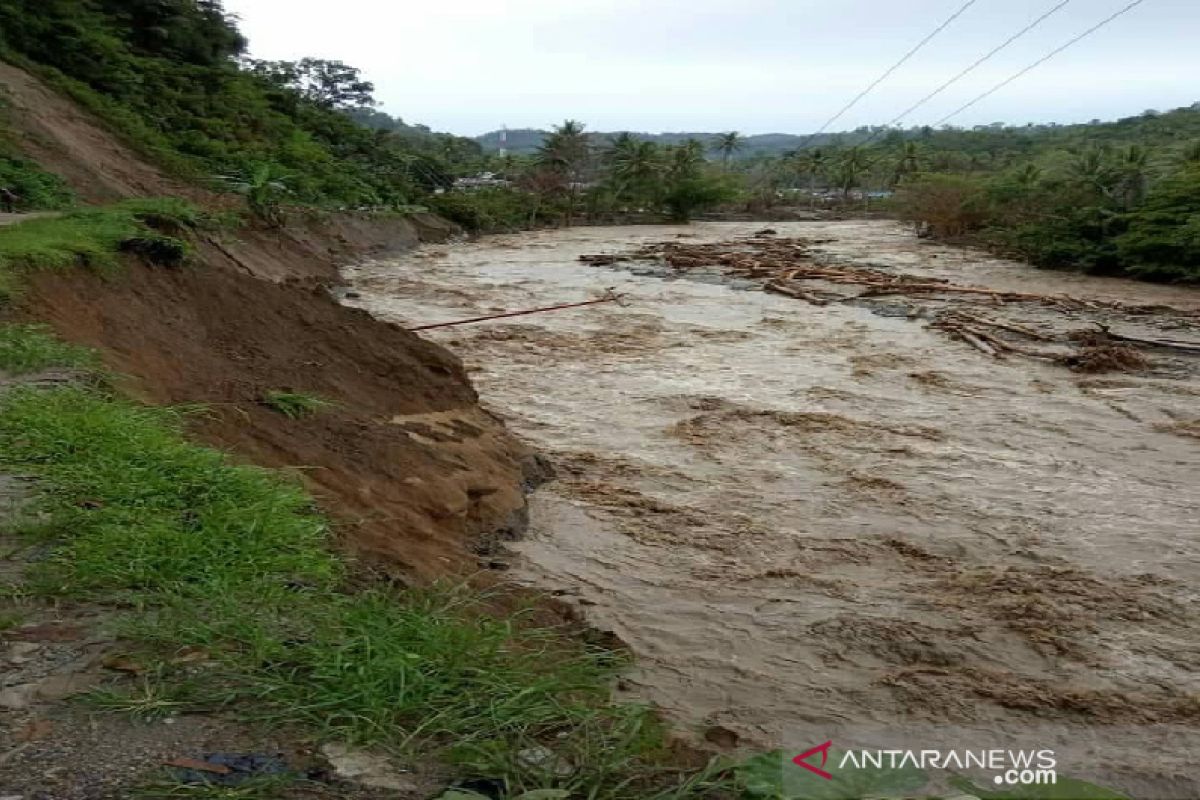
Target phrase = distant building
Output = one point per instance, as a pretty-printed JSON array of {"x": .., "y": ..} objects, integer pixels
[{"x": 484, "y": 180}]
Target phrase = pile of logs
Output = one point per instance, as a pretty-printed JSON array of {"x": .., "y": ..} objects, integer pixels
[
  {"x": 787, "y": 266},
  {"x": 782, "y": 262}
]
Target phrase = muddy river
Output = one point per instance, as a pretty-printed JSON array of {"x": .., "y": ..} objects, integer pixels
[{"x": 815, "y": 523}]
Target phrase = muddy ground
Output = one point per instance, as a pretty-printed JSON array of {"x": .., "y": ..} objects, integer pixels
[{"x": 837, "y": 522}]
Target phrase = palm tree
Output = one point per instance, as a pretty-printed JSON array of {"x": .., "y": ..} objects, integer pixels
[
  {"x": 637, "y": 168},
  {"x": 567, "y": 152},
  {"x": 1134, "y": 175},
  {"x": 686, "y": 159},
  {"x": 727, "y": 144},
  {"x": 908, "y": 162},
  {"x": 1093, "y": 169},
  {"x": 1028, "y": 176},
  {"x": 849, "y": 168}
]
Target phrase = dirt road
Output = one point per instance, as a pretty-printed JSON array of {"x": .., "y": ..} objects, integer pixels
[{"x": 817, "y": 523}]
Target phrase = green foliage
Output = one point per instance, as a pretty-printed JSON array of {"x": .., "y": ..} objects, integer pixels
[
  {"x": 94, "y": 237},
  {"x": 294, "y": 405},
  {"x": 31, "y": 348},
  {"x": 493, "y": 210},
  {"x": 264, "y": 187},
  {"x": 951, "y": 205},
  {"x": 1162, "y": 237},
  {"x": 234, "y": 561},
  {"x": 166, "y": 75},
  {"x": 35, "y": 189},
  {"x": 1099, "y": 209},
  {"x": 690, "y": 194}
]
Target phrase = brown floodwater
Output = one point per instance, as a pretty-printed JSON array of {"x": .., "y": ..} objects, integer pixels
[{"x": 815, "y": 523}]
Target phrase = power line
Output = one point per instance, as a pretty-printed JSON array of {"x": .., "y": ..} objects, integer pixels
[
  {"x": 978, "y": 62},
  {"x": 888, "y": 73},
  {"x": 1040, "y": 61}
]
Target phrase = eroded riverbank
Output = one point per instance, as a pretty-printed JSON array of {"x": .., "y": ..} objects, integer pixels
[{"x": 824, "y": 522}]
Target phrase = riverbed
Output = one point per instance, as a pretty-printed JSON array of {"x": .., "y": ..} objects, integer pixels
[{"x": 814, "y": 523}]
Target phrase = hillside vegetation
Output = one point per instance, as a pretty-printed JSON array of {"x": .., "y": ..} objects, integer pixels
[{"x": 171, "y": 77}]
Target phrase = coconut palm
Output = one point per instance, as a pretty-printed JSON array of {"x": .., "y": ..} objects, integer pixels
[
  {"x": 727, "y": 144},
  {"x": 909, "y": 162},
  {"x": 685, "y": 159},
  {"x": 567, "y": 152},
  {"x": 637, "y": 169},
  {"x": 1134, "y": 170},
  {"x": 849, "y": 168}
]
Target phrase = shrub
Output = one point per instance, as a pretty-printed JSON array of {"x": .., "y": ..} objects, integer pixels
[
  {"x": 36, "y": 190},
  {"x": 949, "y": 205},
  {"x": 1162, "y": 238}
]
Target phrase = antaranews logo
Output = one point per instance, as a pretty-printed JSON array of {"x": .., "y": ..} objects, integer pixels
[
  {"x": 802, "y": 759},
  {"x": 1010, "y": 767}
]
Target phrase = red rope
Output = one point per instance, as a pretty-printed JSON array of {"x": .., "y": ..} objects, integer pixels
[{"x": 608, "y": 299}]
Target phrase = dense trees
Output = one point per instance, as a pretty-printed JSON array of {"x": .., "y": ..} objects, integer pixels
[
  {"x": 325, "y": 84},
  {"x": 1101, "y": 208},
  {"x": 167, "y": 75}
]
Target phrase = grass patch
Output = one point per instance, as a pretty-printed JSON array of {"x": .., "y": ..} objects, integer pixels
[
  {"x": 295, "y": 405},
  {"x": 95, "y": 237},
  {"x": 35, "y": 189},
  {"x": 265, "y": 787},
  {"x": 234, "y": 561},
  {"x": 31, "y": 348}
]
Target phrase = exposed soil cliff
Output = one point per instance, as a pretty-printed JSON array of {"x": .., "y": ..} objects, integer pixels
[{"x": 403, "y": 455}]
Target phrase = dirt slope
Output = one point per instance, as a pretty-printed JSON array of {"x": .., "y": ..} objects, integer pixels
[
  {"x": 417, "y": 472},
  {"x": 68, "y": 141}
]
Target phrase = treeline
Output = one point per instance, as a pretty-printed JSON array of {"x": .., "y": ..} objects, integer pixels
[
  {"x": 1103, "y": 209},
  {"x": 1117, "y": 198},
  {"x": 573, "y": 176},
  {"x": 172, "y": 77}
]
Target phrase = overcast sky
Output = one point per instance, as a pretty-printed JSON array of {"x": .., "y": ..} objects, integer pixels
[{"x": 757, "y": 66}]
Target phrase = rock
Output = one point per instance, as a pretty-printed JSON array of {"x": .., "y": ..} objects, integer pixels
[
  {"x": 62, "y": 686},
  {"x": 545, "y": 759},
  {"x": 721, "y": 736},
  {"x": 21, "y": 652},
  {"x": 367, "y": 769},
  {"x": 14, "y": 698}
]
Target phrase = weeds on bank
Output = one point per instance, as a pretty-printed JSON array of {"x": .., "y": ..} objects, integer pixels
[
  {"x": 295, "y": 405},
  {"x": 232, "y": 561},
  {"x": 95, "y": 237},
  {"x": 31, "y": 348},
  {"x": 268, "y": 787}
]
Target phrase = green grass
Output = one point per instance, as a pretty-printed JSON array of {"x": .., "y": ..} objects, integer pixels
[
  {"x": 268, "y": 787},
  {"x": 36, "y": 189},
  {"x": 234, "y": 561},
  {"x": 31, "y": 348},
  {"x": 295, "y": 405},
  {"x": 95, "y": 237}
]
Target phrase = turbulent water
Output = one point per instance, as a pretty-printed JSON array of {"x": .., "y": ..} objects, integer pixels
[{"x": 816, "y": 523}]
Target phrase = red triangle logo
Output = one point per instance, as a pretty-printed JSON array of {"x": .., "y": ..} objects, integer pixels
[{"x": 802, "y": 760}]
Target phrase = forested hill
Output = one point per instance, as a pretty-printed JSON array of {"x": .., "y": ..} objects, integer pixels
[
  {"x": 1150, "y": 128},
  {"x": 171, "y": 76}
]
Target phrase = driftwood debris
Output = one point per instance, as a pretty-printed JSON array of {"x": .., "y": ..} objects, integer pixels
[
  {"x": 791, "y": 291},
  {"x": 1168, "y": 344},
  {"x": 784, "y": 265}
]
